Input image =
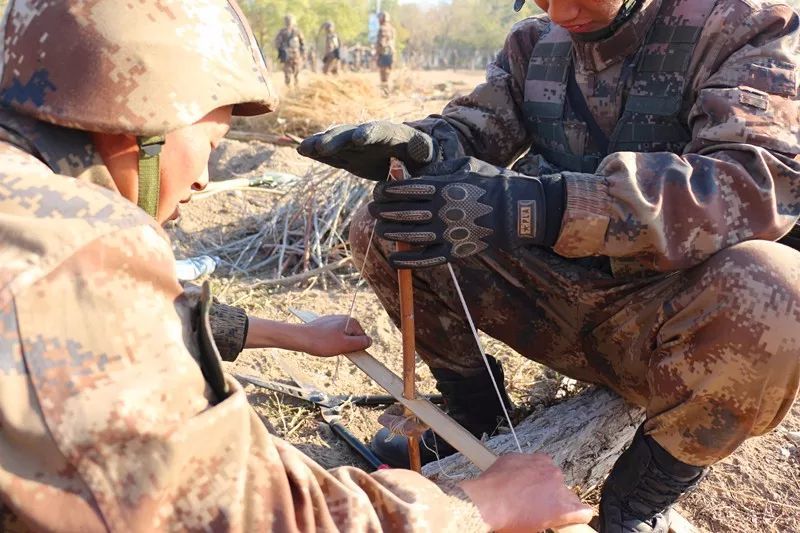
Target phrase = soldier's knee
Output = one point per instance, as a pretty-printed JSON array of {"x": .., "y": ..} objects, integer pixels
[
  {"x": 759, "y": 281},
  {"x": 360, "y": 230},
  {"x": 764, "y": 270}
]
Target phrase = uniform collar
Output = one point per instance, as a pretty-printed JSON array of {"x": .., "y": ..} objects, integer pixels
[
  {"x": 66, "y": 151},
  {"x": 596, "y": 56}
]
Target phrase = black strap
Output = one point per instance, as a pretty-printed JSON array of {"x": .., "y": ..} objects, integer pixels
[{"x": 581, "y": 109}]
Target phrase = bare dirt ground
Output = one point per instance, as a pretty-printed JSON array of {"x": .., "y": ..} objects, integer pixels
[{"x": 757, "y": 489}]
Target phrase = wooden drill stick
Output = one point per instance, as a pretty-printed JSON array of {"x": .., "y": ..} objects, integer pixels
[{"x": 397, "y": 171}]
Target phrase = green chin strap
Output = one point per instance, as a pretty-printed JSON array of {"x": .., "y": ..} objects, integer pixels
[{"x": 149, "y": 172}]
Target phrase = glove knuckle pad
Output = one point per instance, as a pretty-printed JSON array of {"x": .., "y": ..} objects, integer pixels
[{"x": 459, "y": 213}]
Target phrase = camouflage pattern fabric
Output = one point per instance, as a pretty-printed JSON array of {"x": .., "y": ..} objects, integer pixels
[
  {"x": 710, "y": 352},
  {"x": 330, "y": 61},
  {"x": 71, "y": 152},
  {"x": 384, "y": 50},
  {"x": 331, "y": 42},
  {"x": 292, "y": 42},
  {"x": 147, "y": 67},
  {"x": 108, "y": 422},
  {"x": 736, "y": 179},
  {"x": 663, "y": 284},
  {"x": 654, "y": 79}
]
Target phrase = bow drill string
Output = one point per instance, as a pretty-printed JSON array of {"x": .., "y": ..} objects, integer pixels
[
  {"x": 467, "y": 314},
  {"x": 483, "y": 354}
]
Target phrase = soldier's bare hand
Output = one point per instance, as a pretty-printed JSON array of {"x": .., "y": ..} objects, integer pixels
[
  {"x": 327, "y": 337},
  {"x": 522, "y": 492},
  {"x": 324, "y": 337}
]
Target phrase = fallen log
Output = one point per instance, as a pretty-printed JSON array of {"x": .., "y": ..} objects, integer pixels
[{"x": 584, "y": 435}]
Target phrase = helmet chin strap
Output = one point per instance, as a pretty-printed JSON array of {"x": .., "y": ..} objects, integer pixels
[
  {"x": 625, "y": 11},
  {"x": 149, "y": 173}
]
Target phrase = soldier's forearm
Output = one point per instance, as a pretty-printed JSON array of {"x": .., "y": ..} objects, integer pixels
[
  {"x": 264, "y": 333},
  {"x": 672, "y": 212}
]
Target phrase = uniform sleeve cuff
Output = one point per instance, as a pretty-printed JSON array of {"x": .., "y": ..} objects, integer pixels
[
  {"x": 229, "y": 328},
  {"x": 447, "y": 140},
  {"x": 585, "y": 222}
]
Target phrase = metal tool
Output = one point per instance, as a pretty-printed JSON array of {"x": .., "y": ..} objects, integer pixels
[{"x": 330, "y": 407}]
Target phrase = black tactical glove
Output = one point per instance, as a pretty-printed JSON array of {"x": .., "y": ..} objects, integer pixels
[
  {"x": 365, "y": 149},
  {"x": 459, "y": 208}
]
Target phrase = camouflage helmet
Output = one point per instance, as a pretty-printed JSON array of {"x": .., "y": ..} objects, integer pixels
[
  {"x": 143, "y": 68},
  {"x": 289, "y": 20}
]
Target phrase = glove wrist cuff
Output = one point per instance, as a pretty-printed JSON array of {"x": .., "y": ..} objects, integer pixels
[{"x": 555, "y": 198}]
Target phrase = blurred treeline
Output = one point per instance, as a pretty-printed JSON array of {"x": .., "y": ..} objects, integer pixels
[{"x": 455, "y": 31}]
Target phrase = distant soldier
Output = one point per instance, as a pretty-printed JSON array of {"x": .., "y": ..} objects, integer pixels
[
  {"x": 384, "y": 49},
  {"x": 356, "y": 58},
  {"x": 291, "y": 49},
  {"x": 311, "y": 59},
  {"x": 330, "y": 61},
  {"x": 367, "y": 60}
]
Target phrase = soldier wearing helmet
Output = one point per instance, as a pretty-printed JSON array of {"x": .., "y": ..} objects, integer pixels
[
  {"x": 116, "y": 413},
  {"x": 654, "y": 148},
  {"x": 291, "y": 47},
  {"x": 330, "y": 61},
  {"x": 384, "y": 49}
]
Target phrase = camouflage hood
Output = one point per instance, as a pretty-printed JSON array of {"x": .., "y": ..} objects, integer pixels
[{"x": 142, "y": 68}]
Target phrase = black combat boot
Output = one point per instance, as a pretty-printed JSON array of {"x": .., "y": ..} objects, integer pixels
[
  {"x": 644, "y": 483},
  {"x": 470, "y": 401}
]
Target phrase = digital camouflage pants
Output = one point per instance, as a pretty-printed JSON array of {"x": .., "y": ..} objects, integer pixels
[
  {"x": 712, "y": 353},
  {"x": 291, "y": 69},
  {"x": 330, "y": 65}
]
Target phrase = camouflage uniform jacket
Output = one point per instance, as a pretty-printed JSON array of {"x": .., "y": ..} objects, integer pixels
[
  {"x": 331, "y": 42},
  {"x": 384, "y": 44},
  {"x": 110, "y": 419},
  {"x": 291, "y": 41},
  {"x": 737, "y": 177}
]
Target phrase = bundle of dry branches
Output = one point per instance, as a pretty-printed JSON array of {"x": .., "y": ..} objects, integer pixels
[{"x": 302, "y": 236}]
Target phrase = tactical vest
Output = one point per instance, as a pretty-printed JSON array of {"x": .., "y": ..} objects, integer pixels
[
  {"x": 650, "y": 120},
  {"x": 291, "y": 40}
]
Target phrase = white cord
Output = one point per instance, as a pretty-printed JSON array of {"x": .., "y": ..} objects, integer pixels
[
  {"x": 483, "y": 354},
  {"x": 471, "y": 325},
  {"x": 360, "y": 276}
]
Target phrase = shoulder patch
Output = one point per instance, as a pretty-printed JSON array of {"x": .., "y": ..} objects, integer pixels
[{"x": 753, "y": 98}]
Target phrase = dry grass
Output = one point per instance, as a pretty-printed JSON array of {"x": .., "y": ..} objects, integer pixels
[
  {"x": 321, "y": 102},
  {"x": 350, "y": 98}
]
